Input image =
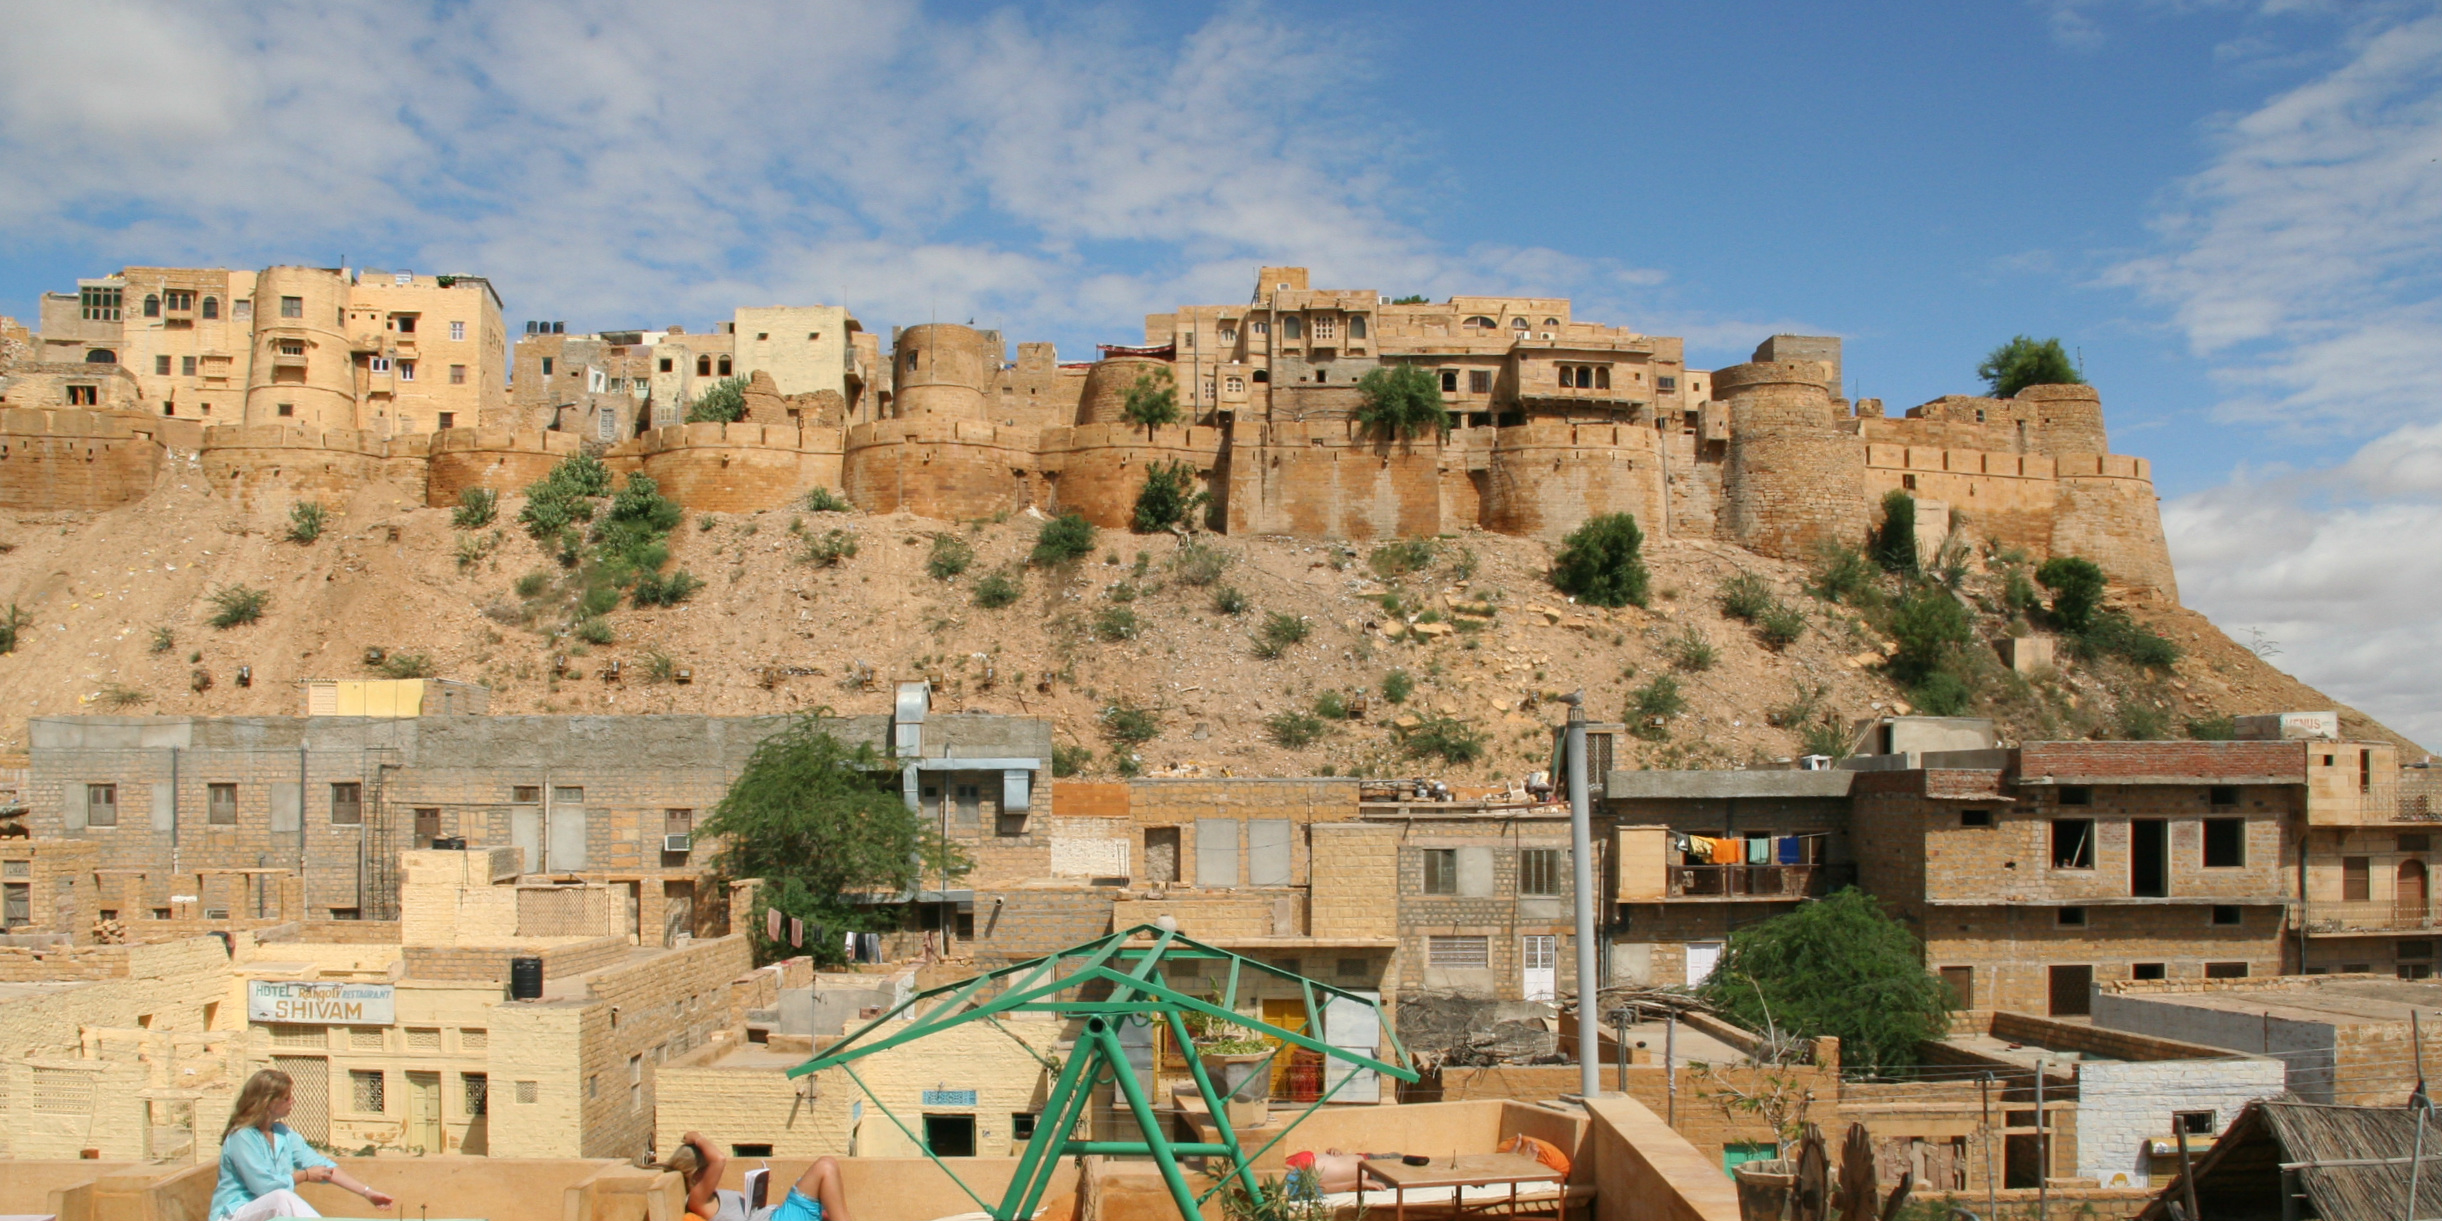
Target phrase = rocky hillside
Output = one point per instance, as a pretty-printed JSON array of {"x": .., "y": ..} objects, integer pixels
[{"x": 115, "y": 607}]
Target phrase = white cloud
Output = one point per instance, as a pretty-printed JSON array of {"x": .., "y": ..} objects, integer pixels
[
  {"x": 2304, "y": 262},
  {"x": 629, "y": 163}
]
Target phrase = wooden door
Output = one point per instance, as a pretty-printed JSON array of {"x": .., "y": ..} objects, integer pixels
[
  {"x": 677, "y": 911},
  {"x": 424, "y": 1112},
  {"x": 2409, "y": 894}
]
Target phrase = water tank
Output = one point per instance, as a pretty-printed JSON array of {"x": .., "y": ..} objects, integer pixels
[{"x": 525, "y": 979}]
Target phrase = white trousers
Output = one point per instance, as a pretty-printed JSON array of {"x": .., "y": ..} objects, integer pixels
[{"x": 282, "y": 1203}]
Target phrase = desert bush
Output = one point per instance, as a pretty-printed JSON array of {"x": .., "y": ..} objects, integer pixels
[
  {"x": 306, "y": 519},
  {"x": 1842, "y": 574},
  {"x": 408, "y": 665},
  {"x": 2077, "y": 590},
  {"x": 1199, "y": 564},
  {"x": 997, "y": 590},
  {"x": 1398, "y": 559},
  {"x": 1397, "y": 686},
  {"x": 1228, "y": 601},
  {"x": 722, "y": 402},
  {"x": 476, "y": 508},
  {"x": 1116, "y": 623},
  {"x": 1690, "y": 651},
  {"x": 238, "y": 605},
  {"x": 1895, "y": 538},
  {"x": 1745, "y": 596},
  {"x": 653, "y": 589},
  {"x": 950, "y": 556},
  {"x": 1129, "y": 725},
  {"x": 1602, "y": 562},
  {"x": 1782, "y": 625},
  {"x": 1448, "y": 739},
  {"x": 1293, "y": 729},
  {"x": 594, "y": 631},
  {"x": 1062, "y": 540},
  {"x": 824, "y": 500},
  {"x": 828, "y": 549},
  {"x": 1168, "y": 498}
]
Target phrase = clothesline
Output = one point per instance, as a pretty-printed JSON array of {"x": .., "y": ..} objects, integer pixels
[{"x": 1753, "y": 849}]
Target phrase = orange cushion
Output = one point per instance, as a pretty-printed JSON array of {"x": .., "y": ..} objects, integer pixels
[{"x": 1542, "y": 1151}]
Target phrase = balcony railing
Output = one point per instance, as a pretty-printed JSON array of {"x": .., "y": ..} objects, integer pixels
[
  {"x": 1757, "y": 881},
  {"x": 2372, "y": 918}
]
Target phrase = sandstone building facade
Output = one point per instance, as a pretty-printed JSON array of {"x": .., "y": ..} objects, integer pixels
[{"x": 1555, "y": 418}]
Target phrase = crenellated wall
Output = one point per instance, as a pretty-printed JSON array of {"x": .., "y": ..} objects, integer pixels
[
  {"x": 1107, "y": 384},
  {"x": 2108, "y": 513},
  {"x": 1794, "y": 477},
  {"x": 1544, "y": 478},
  {"x": 1327, "y": 479},
  {"x": 2008, "y": 498},
  {"x": 1098, "y": 469},
  {"x": 256, "y": 460},
  {"x": 944, "y": 468},
  {"x": 73, "y": 459},
  {"x": 501, "y": 459},
  {"x": 737, "y": 468}
]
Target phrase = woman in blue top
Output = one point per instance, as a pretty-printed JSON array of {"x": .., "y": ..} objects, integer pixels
[{"x": 262, "y": 1160}]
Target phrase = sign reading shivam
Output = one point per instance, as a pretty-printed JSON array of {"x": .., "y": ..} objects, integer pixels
[{"x": 330, "y": 1004}]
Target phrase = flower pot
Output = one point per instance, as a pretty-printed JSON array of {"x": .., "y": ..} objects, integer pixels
[{"x": 1244, "y": 1081}]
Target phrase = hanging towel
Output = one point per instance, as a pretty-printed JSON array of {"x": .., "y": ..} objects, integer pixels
[
  {"x": 797, "y": 931},
  {"x": 1699, "y": 849},
  {"x": 771, "y": 924},
  {"x": 1729, "y": 852},
  {"x": 1787, "y": 849},
  {"x": 1759, "y": 850}
]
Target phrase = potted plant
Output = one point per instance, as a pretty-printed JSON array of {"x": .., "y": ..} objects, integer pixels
[{"x": 1239, "y": 1067}]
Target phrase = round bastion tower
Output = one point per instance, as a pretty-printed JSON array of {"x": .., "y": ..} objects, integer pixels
[
  {"x": 939, "y": 455},
  {"x": 1107, "y": 384},
  {"x": 943, "y": 370},
  {"x": 1795, "y": 476},
  {"x": 303, "y": 374}
]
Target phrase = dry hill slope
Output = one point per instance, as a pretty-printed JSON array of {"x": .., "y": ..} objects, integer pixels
[{"x": 771, "y": 633}]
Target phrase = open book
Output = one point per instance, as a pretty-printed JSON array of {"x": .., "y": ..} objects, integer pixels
[{"x": 758, "y": 1187}]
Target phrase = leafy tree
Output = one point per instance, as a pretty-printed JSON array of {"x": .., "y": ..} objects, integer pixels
[
  {"x": 1927, "y": 624},
  {"x": 1416, "y": 299},
  {"x": 1835, "y": 967},
  {"x": 2077, "y": 589},
  {"x": 1152, "y": 402},
  {"x": 723, "y": 402},
  {"x": 1895, "y": 539},
  {"x": 1169, "y": 497},
  {"x": 1602, "y": 563},
  {"x": 1402, "y": 399},
  {"x": 2024, "y": 362},
  {"x": 820, "y": 821}
]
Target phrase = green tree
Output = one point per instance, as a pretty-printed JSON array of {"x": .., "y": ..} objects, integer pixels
[
  {"x": 1169, "y": 497},
  {"x": 1895, "y": 539},
  {"x": 1152, "y": 402},
  {"x": 1401, "y": 399},
  {"x": 723, "y": 402},
  {"x": 2024, "y": 362},
  {"x": 2077, "y": 589},
  {"x": 820, "y": 821},
  {"x": 1410, "y": 299},
  {"x": 1602, "y": 563},
  {"x": 1835, "y": 967},
  {"x": 1927, "y": 625}
]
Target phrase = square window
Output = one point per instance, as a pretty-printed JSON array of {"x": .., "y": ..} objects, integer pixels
[
  {"x": 186, "y": 366},
  {"x": 161, "y": 366},
  {"x": 457, "y": 375},
  {"x": 567, "y": 794},
  {"x": 1975, "y": 818},
  {"x": 2225, "y": 843},
  {"x": 347, "y": 804},
  {"x": 2223, "y": 795},
  {"x": 292, "y": 307},
  {"x": 2148, "y": 970},
  {"x": 220, "y": 805},
  {"x": 406, "y": 324},
  {"x": 2071, "y": 917},
  {"x": 1961, "y": 982},
  {"x": 2225, "y": 970},
  {"x": 101, "y": 805},
  {"x": 527, "y": 1092},
  {"x": 457, "y": 331},
  {"x": 665, "y": 364},
  {"x": 365, "y": 1093},
  {"x": 2194, "y": 1123},
  {"x": 406, "y": 370},
  {"x": 2415, "y": 841},
  {"x": 1479, "y": 381},
  {"x": 1539, "y": 871},
  {"x": 1441, "y": 871},
  {"x": 2073, "y": 843},
  {"x": 2415, "y": 949},
  {"x": 526, "y": 794},
  {"x": 449, "y": 419},
  {"x": 2228, "y": 913},
  {"x": 2076, "y": 795},
  {"x": 1021, "y": 1126},
  {"x": 287, "y": 409}
]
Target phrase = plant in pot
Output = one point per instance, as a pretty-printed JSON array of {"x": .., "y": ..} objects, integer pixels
[{"x": 1237, "y": 1062}]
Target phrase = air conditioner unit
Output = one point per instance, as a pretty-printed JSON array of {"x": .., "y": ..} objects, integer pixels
[{"x": 677, "y": 843}]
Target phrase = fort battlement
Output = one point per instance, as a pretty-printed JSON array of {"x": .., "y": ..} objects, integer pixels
[
  {"x": 1098, "y": 469},
  {"x": 501, "y": 459},
  {"x": 941, "y": 466},
  {"x": 736, "y": 468},
  {"x": 68, "y": 459}
]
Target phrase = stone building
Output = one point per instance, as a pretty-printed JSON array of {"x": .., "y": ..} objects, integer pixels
[
  {"x": 2341, "y": 1039},
  {"x": 318, "y": 349}
]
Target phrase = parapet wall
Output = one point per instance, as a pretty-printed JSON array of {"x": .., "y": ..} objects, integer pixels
[
  {"x": 737, "y": 468},
  {"x": 1098, "y": 469},
  {"x": 947, "y": 469},
  {"x": 1794, "y": 478},
  {"x": 501, "y": 459},
  {"x": 69, "y": 459},
  {"x": 250, "y": 461},
  {"x": 1328, "y": 479},
  {"x": 1545, "y": 478}
]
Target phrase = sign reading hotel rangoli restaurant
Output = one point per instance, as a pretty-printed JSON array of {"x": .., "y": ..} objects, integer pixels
[{"x": 330, "y": 1004}]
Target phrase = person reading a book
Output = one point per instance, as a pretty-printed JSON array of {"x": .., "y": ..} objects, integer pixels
[{"x": 816, "y": 1196}]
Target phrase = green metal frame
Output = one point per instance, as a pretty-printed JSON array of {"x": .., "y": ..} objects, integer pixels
[{"x": 1138, "y": 992}]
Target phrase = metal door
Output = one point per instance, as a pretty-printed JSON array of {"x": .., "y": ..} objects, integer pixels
[
  {"x": 1357, "y": 1027},
  {"x": 526, "y": 834},
  {"x": 1702, "y": 957},
  {"x": 424, "y": 1111},
  {"x": 310, "y": 1085}
]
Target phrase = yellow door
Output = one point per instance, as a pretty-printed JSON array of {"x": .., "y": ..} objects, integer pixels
[
  {"x": 424, "y": 1112},
  {"x": 1288, "y": 1014}
]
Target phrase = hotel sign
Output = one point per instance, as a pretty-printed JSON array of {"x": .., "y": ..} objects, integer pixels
[{"x": 328, "y": 1004}]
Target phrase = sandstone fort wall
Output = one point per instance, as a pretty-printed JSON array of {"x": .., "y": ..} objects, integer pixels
[
  {"x": 738, "y": 468},
  {"x": 1098, "y": 469},
  {"x": 65, "y": 459},
  {"x": 1545, "y": 478},
  {"x": 1794, "y": 478},
  {"x": 501, "y": 459},
  {"x": 945, "y": 468}
]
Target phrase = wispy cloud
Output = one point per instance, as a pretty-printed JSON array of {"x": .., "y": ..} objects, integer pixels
[{"x": 2305, "y": 262}]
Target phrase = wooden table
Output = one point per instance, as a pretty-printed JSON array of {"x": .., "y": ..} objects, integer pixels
[{"x": 1465, "y": 1171}]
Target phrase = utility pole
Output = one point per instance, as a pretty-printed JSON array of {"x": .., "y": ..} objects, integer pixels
[{"x": 1581, "y": 858}]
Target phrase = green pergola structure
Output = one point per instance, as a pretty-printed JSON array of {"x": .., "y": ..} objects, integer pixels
[{"x": 1124, "y": 976}]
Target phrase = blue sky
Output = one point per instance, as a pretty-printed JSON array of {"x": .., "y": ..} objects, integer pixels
[{"x": 2231, "y": 210}]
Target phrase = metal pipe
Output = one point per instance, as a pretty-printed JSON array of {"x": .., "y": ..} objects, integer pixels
[
  {"x": 2043, "y": 1152},
  {"x": 1581, "y": 854},
  {"x": 1670, "y": 1066}
]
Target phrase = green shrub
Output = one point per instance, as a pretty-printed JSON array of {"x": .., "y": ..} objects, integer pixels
[
  {"x": 564, "y": 497},
  {"x": 1842, "y": 574},
  {"x": 164, "y": 640},
  {"x": 13, "y": 623},
  {"x": 1116, "y": 623},
  {"x": 2077, "y": 590},
  {"x": 1448, "y": 739},
  {"x": 823, "y": 500},
  {"x": 594, "y": 631},
  {"x": 653, "y": 589},
  {"x": 1067, "y": 761},
  {"x": 408, "y": 665},
  {"x": 1199, "y": 564},
  {"x": 2112, "y": 633},
  {"x": 598, "y": 600},
  {"x": 1658, "y": 698},
  {"x": 1228, "y": 601},
  {"x": 1129, "y": 725},
  {"x": 1928, "y": 624},
  {"x": 2213, "y": 728},
  {"x": 950, "y": 556},
  {"x": 1690, "y": 651},
  {"x": 1782, "y": 625},
  {"x": 659, "y": 667},
  {"x": 305, "y": 521},
  {"x": 1824, "y": 738},
  {"x": 1895, "y": 538},
  {"x": 2018, "y": 593},
  {"x": 1279, "y": 633},
  {"x": 1602, "y": 562},
  {"x": 1152, "y": 402},
  {"x": 2024, "y": 362},
  {"x": 722, "y": 402},
  {"x": 119, "y": 697},
  {"x": 237, "y": 605},
  {"x": 997, "y": 590},
  {"x": 1062, "y": 540},
  {"x": 1941, "y": 693},
  {"x": 2142, "y": 722},
  {"x": 1401, "y": 400},
  {"x": 1168, "y": 498},
  {"x": 1295, "y": 730},
  {"x": 532, "y": 584},
  {"x": 1397, "y": 686},
  {"x": 1746, "y": 596},
  {"x": 476, "y": 508},
  {"x": 1397, "y": 559},
  {"x": 1839, "y": 967},
  {"x": 828, "y": 549},
  {"x": 1330, "y": 706}
]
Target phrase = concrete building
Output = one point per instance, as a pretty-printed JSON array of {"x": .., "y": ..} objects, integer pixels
[{"x": 2345, "y": 1040}]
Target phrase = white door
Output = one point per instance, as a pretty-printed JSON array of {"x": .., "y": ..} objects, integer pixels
[
  {"x": 1541, "y": 955},
  {"x": 1702, "y": 957},
  {"x": 1355, "y": 1026}
]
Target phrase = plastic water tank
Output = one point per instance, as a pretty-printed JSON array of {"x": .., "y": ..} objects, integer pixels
[{"x": 526, "y": 979}]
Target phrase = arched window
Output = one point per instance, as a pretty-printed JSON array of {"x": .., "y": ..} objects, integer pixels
[
  {"x": 152, "y": 305},
  {"x": 1291, "y": 328},
  {"x": 101, "y": 356},
  {"x": 1551, "y": 322},
  {"x": 703, "y": 366},
  {"x": 211, "y": 307},
  {"x": 724, "y": 366},
  {"x": 1517, "y": 324},
  {"x": 1480, "y": 320},
  {"x": 1263, "y": 375},
  {"x": 1356, "y": 326}
]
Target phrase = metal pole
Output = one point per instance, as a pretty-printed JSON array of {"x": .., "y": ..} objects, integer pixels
[
  {"x": 2416, "y": 1163},
  {"x": 1581, "y": 849},
  {"x": 1984, "y": 1102},
  {"x": 2043, "y": 1151},
  {"x": 2187, "y": 1171},
  {"x": 1620, "y": 1036},
  {"x": 1670, "y": 1064}
]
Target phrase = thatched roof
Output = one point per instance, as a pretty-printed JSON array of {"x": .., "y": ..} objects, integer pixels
[{"x": 2352, "y": 1163}]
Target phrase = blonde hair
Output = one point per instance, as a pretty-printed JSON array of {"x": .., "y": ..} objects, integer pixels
[
  {"x": 254, "y": 1102},
  {"x": 687, "y": 1161}
]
